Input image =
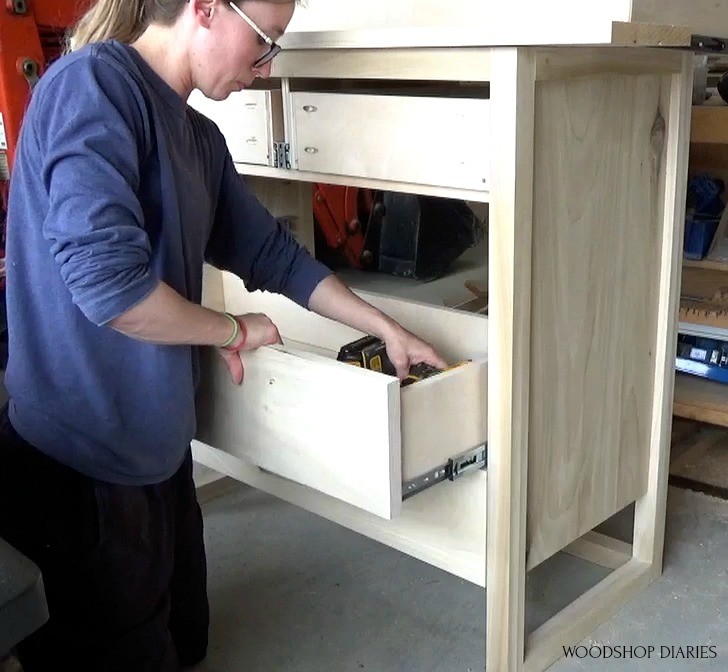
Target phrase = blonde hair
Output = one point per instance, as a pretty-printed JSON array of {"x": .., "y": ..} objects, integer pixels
[{"x": 126, "y": 20}]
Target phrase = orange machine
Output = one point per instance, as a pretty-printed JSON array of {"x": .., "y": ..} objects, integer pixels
[
  {"x": 31, "y": 36},
  {"x": 341, "y": 214}
]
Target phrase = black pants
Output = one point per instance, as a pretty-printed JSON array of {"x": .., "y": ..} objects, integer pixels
[{"x": 123, "y": 567}]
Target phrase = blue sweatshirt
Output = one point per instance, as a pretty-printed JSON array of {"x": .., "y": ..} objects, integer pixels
[{"x": 118, "y": 185}]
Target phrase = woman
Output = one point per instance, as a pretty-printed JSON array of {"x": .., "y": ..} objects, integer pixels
[{"x": 119, "y": 193}]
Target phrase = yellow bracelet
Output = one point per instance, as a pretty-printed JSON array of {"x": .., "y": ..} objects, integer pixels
[{"x": 231, "y": 340}]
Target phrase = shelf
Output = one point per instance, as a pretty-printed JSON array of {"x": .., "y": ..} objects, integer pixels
[
  {"x": 704, "y": 297},
  {"x": 709, "y": 124},
  {"x": 700, "y": 399},
  {"x": 449, "y": 290},
  {"x": 476, "y": 196},
  {"x": 706, "y": 264}
]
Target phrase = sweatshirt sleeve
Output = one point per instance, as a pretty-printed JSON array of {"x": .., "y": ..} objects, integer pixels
[
  {"x": 248, "y": 241},
  {"x": 91, "y": 132}
]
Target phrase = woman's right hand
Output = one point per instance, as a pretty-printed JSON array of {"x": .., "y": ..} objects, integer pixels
[{"x": 255, "y": 331}]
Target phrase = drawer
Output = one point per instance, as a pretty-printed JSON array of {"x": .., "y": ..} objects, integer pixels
[
  {"x": 349, "y": 433},
  {"x": 413, "y": 139},
  {"x": 250, "y": 120}
]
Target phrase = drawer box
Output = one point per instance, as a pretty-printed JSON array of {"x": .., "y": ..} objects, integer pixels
[
  {"x": 424, "y": 140},
  {"x": 251, "y": 121},
  {"x": 349, "y": 433}
]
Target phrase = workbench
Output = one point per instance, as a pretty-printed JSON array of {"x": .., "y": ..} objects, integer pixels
[{"x": 571, "y": 122}]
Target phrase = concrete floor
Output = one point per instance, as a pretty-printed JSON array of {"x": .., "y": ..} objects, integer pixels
[{"x": 289, "y": 590}]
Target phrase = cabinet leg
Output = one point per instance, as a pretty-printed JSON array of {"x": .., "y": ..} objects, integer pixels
[
  {"x": 512, "y": 118},
  {"x": 649, "y": 526}
]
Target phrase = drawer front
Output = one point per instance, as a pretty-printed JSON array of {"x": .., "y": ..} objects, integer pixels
[
  {"x": 419, "y": 140},
  {"x": 251, "y": 122},
  {"x": 346, "y": 432},
  {"x": 318, "y": 423}
]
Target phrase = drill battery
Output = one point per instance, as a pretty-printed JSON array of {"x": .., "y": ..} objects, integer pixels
[
  {"x": 370, "y": 352},
  {"x": 420, "y": 372}
]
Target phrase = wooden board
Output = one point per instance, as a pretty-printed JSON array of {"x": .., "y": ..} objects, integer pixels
[
  {"x": 509, "y": 287},
  {"x": 330, "y": 15},
  {"x": 291, "y": 200},
  {"x": 464, "y": 64},
  {"x": 443, "y": 526},
  {"x": 709, "y": 124},
  {"x": 479, "y": 196},
  {"x": 291, "y": 417},
  {"x": 328, "y": 23},
  {"x": 465, "y": 22},
  {"x": 595, "y": 292},
  {"x": 455, "y": 334},
  {"x": 703, "y": 17},
  {"x": 648, "y": 539},
  {"x": 706, "y": 264}
]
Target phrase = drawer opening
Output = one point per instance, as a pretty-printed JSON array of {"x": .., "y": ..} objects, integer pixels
[
  {"x": 352, "y": 433},
  {"x": 413, "y": 88}
]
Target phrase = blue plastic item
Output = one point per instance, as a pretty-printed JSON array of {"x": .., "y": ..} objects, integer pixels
[
  {"x": 699, "y": 232},
  {"x": 704, "y": 210},
  {"x": 702, "y": 357}
]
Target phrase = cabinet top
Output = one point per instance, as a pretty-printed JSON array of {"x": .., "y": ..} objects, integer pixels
[{"x": 342, "y": 24}]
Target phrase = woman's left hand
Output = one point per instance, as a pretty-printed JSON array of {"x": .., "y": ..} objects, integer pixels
[{"x": 404, "y": 350}]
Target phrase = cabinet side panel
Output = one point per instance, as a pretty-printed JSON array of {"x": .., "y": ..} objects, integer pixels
[{"x": 598, "y": 219}]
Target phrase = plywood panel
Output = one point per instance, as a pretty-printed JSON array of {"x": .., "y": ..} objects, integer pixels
[
  {"x": 290, "y": 200},
  {"x": 300, "y": 417},
  {"x": 456, "y": 334},
  {"x": 596, "y": 266},
  {"x": 462, "y": 22},
  {"x": 457, "y": 399},
  {"x": 330, "y": 23},
  {"x": 413, "y": 129},
  {"x": 442, "y": 526}
]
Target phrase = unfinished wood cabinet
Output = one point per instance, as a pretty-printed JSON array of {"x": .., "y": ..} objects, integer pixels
[{"x": 584, "y": 154}]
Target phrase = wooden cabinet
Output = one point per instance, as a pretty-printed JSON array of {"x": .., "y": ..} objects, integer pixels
[{"x": 584, "y": 155}]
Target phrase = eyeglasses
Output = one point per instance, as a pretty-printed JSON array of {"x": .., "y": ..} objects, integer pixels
[{"x": 273, "y": 48}]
